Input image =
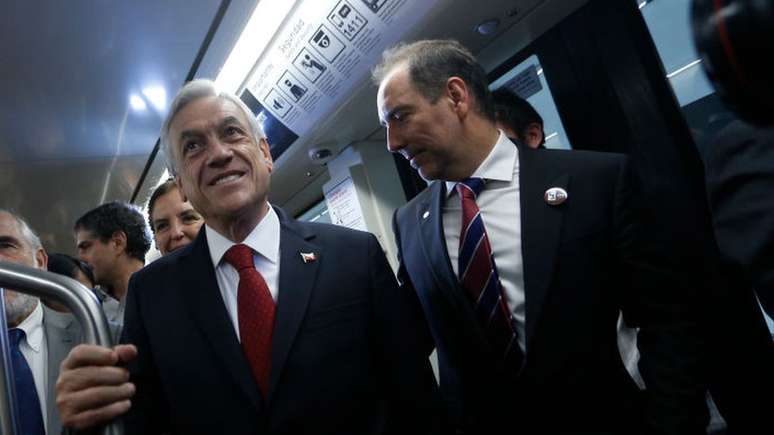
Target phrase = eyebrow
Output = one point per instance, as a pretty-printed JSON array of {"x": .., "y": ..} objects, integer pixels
[
  {"x": 9, "y": 239},
  {"x": 226, "y": 121},
  {"x": 190, "y": 211},
  {"x": 391, "y": 112},
  {"x": 158, "y": 221},
  {"x": 82, "y": 244}
]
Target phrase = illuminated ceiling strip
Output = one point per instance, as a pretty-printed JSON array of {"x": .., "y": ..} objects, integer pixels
[
  {"x": 266, "y": 20},
  {"x": 679, "y": 70}
]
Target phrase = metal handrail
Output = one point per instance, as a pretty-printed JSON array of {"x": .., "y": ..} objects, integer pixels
[{"x": 82, "y": 303}]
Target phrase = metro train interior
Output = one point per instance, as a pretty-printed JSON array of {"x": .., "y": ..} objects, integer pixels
[{"x": 86, "y": 86}]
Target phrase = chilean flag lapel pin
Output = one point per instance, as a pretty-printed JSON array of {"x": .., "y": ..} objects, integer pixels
[{"x": 308, "y": 257}]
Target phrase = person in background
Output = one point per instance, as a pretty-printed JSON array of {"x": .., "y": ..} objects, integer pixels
[
  {"x": 518, "y": 119},
  {"x": 70, "y": 267},
  {"x": 172, "y": 219},
  {"x": 40, "y": 337},
  {"x": 739, "y": 171},
  {"x": 74, "y": 268},
  {"x": 113, "y": 239}
]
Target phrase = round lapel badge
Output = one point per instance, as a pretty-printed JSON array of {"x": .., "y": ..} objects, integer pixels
[{"x": 555, "y": 196}]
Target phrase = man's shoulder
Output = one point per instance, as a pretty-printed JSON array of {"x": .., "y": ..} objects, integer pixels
[
  {"x": 581, "y": 157},
  {"x": 57, "y": 321},
  {"x": 165, "y": 264},
  {"x": 324, "y": 231}
]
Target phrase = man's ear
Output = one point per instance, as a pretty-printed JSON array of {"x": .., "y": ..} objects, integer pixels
[
  {"x": 457, "y": 91},
  {"x": 533, "y": 135},
  {"x": 41, "y": 259},
  {"x": 263, "y": 145},
  {"x": 118, "y": 239}
]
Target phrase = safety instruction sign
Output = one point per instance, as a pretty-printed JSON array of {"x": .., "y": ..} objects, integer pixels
[{"x": 325, "y": 49}]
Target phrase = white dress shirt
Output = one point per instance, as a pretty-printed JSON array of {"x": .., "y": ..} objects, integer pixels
[
  {"x": 34, "y": 349},
  {"x": 501, "y": 212},
  {"x": 264, "y": 241}
]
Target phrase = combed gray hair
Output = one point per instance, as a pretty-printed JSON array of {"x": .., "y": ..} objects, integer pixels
[
  {"x": 30, "y": 236},
  {"x": 192, "y": 91},
  {"x": 431, "y": 63}
]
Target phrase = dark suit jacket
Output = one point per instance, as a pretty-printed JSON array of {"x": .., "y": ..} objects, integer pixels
[
  {"x": 349, "y": 349},
  {"x": 740, "y": 181},
  {"x": 740, "y": 186},
  {"x": 584, "y": 260}
]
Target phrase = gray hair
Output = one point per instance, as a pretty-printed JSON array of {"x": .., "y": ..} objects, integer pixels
[
  {"x": 431, "y": 63},
  {"x": 32, "y": 239},
  {"x": 192, "y": 91}
]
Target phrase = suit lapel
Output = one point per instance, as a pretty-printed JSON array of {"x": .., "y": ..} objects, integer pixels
[
  {"x": 209, "y": 313},
  {"x": 296, "y": 282},
  {"x": 541, "y": 226},
  {"x": 430, "y": 220},
  {"x": 62, "y": 333}
]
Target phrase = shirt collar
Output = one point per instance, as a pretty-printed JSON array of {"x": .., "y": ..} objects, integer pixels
[
  {"x": 33, "y": 328},
  {"x": 498, "y": 165},
  {"x": 263, "y": 239}
]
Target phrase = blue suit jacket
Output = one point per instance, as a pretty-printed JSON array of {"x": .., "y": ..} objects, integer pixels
[
  {"x": 349, "y": 350},
  {"x": 584, "y": 261}
]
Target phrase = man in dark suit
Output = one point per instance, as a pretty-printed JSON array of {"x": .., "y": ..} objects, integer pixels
[
  {"x": 522, "y": 260},
  {"x": 262, "y": 325}
]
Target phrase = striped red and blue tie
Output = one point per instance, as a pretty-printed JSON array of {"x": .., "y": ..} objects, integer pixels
[{"x": 478, "y": 276}]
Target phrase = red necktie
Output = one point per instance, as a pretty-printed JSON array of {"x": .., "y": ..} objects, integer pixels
[
  {"x": 478, "y": 275},
  {"x": 255, "y": 310}
]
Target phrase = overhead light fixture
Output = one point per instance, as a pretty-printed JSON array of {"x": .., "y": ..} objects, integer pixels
[
  {"x": 487, "y": 27},
  {"x": 137, "y": 103},
  {"x": 267, "y": 18},
  {"x": 157, "y": 96}
]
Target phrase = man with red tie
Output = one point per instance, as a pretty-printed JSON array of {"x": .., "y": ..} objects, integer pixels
[
  {"x": 522, "y": 260},
  {"x": 253, "y": 328}
]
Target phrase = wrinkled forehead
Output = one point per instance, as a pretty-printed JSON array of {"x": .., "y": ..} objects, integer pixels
[
  {"x": 396, "y": 93},
  {"x": 203, "y": 114},
  {"x": 10, "y": 227},
  {"x": 396, "y": 78}
]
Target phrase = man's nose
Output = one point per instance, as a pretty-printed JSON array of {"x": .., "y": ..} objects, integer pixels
[
  {"x": 394, "y": 140},
  {"x": 220, "y": 153}
]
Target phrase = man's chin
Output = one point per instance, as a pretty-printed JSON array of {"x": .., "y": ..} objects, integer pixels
[
  {"x": 429, "y": 174},
  {"x": 235, "y": 205}
]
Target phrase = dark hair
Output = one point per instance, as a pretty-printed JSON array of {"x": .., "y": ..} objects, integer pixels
[
  {"x": 66, "y": 265},
  {"x": 514, "y": 111},
  {"x": 109, "y": 218},
  {"x": 161, "y": 190},
  {"x": 431, "y": 63}
]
